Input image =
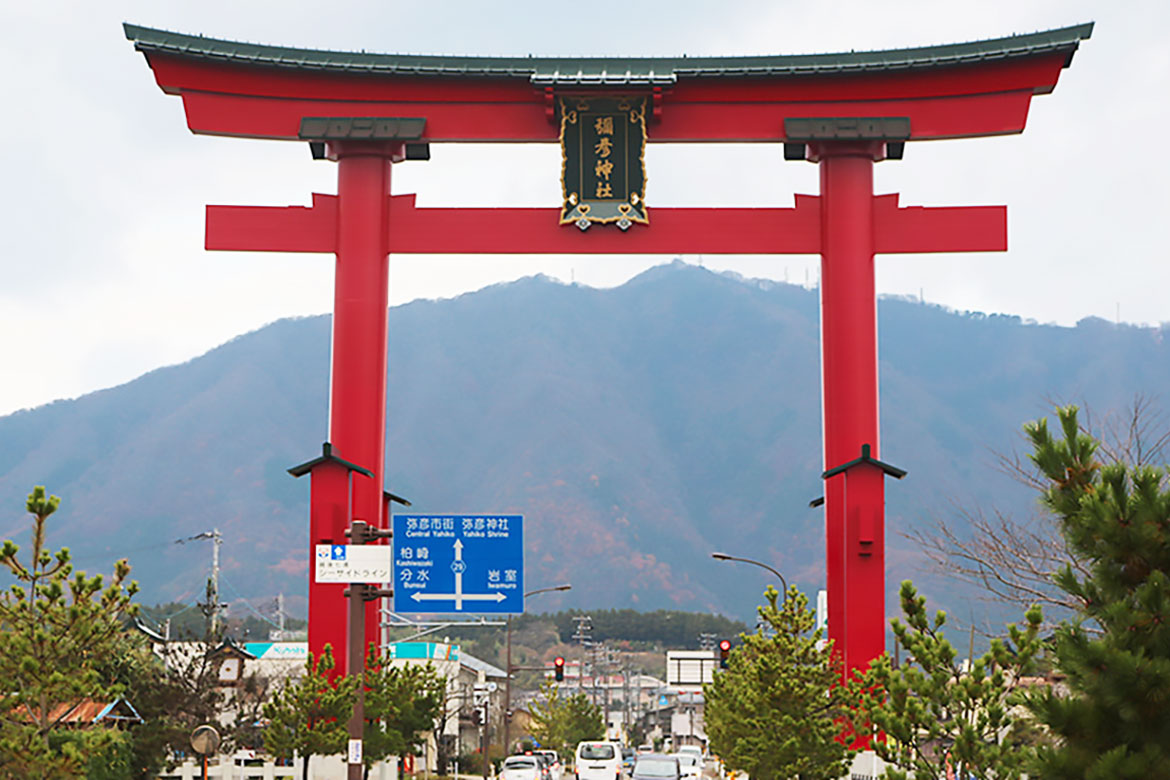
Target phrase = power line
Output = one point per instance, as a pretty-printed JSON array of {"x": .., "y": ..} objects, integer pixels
[
  {"x": 125, "y": 551},
  {"x": 160, "y": 620},
  {"x": 247, "y": 604}
]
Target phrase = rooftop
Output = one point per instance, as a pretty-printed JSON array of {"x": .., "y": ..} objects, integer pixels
[
  {"x": 609, "y": 71},
  {"x": 479, "y": 665}
]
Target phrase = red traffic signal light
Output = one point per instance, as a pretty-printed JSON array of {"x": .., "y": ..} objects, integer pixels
[
  {"x": 559, "y": 668},
  {"x": 724, "y": 652}
]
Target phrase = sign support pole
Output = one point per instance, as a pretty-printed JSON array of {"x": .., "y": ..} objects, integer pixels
[
  {"x": 356, "y": 663},
  {"x": 487, "y": 743},
  {"x": 508, "y": 691},
  {"x": 359, "y": 595}
]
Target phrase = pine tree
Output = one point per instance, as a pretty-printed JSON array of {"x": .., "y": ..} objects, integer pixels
[
  {"x": 583, "y": 721},
  {"x": 939, "y": 720},
  {"x": 547, "y": 725},
  {"x": 560, "y": 722},
  {"x": 57, "y": 626},
  {"x": 1115, "y": 722},
  {"x": 401, "y": 704},
  {"x": 776, "y": 711},
  {"x": 310, "y": 715}
]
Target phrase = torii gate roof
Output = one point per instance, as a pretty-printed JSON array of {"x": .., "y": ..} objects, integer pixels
[
  {"x": 612, "y": 71},
  {"x": 951, "y": 91}
]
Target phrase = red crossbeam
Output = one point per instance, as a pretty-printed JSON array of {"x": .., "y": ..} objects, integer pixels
[{"x": 708, "y": 231}]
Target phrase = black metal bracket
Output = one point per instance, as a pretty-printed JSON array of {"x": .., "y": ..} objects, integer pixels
[
  {"x": 327, "y": 456},
  {"x": 887, "y": 468},
  {"x": 818, "y": 501},
  {"x": 388, "y": 496},
  {"x": 369, "y": 534},
  {"x": 368, "y": 592}
]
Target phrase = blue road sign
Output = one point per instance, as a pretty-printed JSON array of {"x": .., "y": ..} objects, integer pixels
[{"x": 459, "y": 564}]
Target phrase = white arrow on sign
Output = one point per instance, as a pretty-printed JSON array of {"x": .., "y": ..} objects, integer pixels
[{"x": 458, "y": 596}]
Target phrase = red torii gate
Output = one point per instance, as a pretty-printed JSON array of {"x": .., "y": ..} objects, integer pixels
[{"x": 842, "y": 111}]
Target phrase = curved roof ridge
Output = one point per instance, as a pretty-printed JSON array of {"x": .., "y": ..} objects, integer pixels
[{"x": 550, "y": 70}]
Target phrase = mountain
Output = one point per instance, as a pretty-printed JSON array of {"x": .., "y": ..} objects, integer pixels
[{"x": 637, "y": 429}]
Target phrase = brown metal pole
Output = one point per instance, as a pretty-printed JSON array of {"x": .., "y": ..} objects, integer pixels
[
  {"x": 355, "y": 652},
  {"x": 508, "y": 691}
]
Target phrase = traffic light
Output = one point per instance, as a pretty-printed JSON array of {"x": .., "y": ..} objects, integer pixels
[
  {"x": 559, "y": 668},
  {"x": 724, "y": 652}
]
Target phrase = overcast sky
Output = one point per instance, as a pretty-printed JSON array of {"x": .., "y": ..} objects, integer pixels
[{"x": 103, "y": 276}]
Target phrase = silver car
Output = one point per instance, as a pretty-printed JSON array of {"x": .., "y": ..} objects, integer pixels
[
  {"x": 656, "y": 766},
  {"x": 521, "y": 768}
]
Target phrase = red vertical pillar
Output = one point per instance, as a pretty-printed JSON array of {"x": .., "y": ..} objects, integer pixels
[
  {"x": 357, "y": 392},
  {"x": 854, "y": 499},
  {"x": 329, "y": 512}
]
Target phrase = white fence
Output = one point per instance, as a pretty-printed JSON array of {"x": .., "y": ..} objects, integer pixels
[
  {"x": 320, "y": 768},
  {"x": 225, "y": 771}
]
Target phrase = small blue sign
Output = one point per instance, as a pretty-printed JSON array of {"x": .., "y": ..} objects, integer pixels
[
  {"x": 469, "y": 564},
  {"x": 338, "y": 552}
]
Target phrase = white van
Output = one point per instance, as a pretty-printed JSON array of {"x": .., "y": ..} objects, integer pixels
[{"x": 599, "y": 761}]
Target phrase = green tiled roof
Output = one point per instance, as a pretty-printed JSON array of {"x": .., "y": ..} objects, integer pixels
[{"x": 609, "y": 71}]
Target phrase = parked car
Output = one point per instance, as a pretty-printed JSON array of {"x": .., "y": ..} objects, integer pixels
[
  {"x": 599, "y": 761},
  {"x": 555, "y": 770},
  {"x": 656, "y": 766},
  {"x": 521, "y": 768}
]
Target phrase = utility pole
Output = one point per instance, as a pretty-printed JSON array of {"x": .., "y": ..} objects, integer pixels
[
  {"x": 217, "y": 540},
  {"x": 606, "y": 666},
  {"x": 594, "y": 650},
  {"x": 584, "y": 627},
  {"x": 213, "y": 606},
  {"x": 626, "y": 699}
]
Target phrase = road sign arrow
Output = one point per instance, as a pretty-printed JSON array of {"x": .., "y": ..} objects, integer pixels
[{"x": 458, "y": 597}]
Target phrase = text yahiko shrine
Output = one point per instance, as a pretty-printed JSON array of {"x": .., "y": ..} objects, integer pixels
[{"x": 843, "y": 112}]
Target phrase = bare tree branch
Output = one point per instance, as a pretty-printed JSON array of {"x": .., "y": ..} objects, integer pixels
[{"x": 1014, "y": 562}]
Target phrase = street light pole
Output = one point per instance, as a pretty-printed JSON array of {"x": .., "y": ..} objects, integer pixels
[
  {"x": 725, "y": 557},
  {"x": 508, "y": 664}
]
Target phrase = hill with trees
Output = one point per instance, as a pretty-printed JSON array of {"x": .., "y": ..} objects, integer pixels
[{"x": 637, "y": 429}]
